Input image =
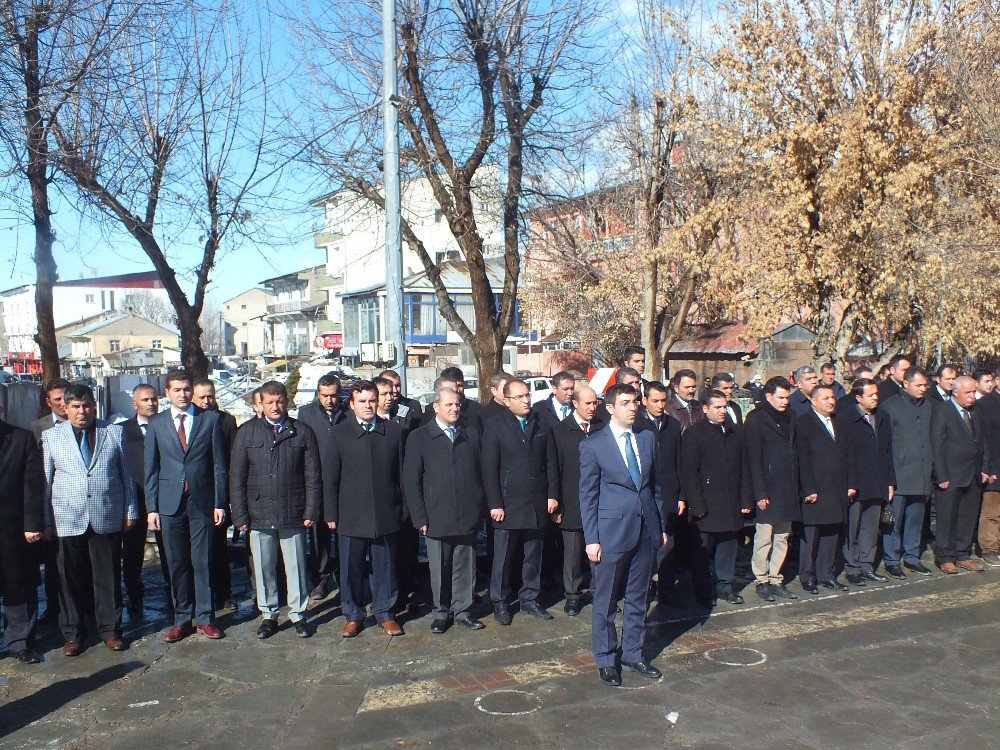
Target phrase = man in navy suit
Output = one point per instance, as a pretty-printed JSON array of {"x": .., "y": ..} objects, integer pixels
[
  {"x": 623, "y": 527},
  {"x": 187, "y": 488},
  {"x": 559, "y": 405}
]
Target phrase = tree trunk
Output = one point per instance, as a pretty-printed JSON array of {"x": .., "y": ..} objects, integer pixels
[
  {"x": 193, "y": 356},
  {"x": 650, "y": 319}
]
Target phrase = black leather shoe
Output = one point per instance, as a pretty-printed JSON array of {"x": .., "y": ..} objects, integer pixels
[
  {"x": 303, "y": 629},
  {"x": 534, "y": 608},
  {"x": 502, "y": 615},
  {"x": 764, "y": 592},
  {"x": 440, "y": 625},
  {"x": 732, "y": 597},
  {"x": 267, "y": 629},
  {"x": 27, "y": 656},
  {"x": 643, "y": 668},
  {"x": 810, "y": 587},
  {"x": 610, "y": 676},
  {"x": 895, "y": 571},
  {"x": 470, "y": 622},
  {"x": 572, "y": 607},
  {"x": 918, "y": 567},
  {"x": 871, "y": 575},
  {"x": 834, "y": 585},
  {"x": 855, "y": 579},
  {"x": 782, "y": 591}
]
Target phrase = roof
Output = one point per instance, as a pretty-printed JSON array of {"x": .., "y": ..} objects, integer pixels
[
  {"x": 454, "y": 276},
  {"x": 100, "y": 324},
  {"x": 724, "y": 338},
  {"x": 141, "y": 280},
  {"x": 293, "y": 275}
]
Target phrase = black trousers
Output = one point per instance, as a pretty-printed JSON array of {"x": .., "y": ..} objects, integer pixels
[
  {"x": 505, "y": 547},
  {"x": 222, "y": 577},
  {"x": 677, "y": 555},
  {"x": 90, "y": 566},
  {"x": 957, "y": 518},
  {"x": 818, "y": 551},
  {"x": 713, "y": 562},
  {"x": 21, "y": 611},
  {"x": 133, "y": 551},
  {"x": 188, "y": 539},
  {"x": 573, "y": 569},
  {"x": 407, "y": 553},
  {"x": 355, "y": 553},
  {"x": 48, "y": 556},
  {"x": 322, "y": 560}
]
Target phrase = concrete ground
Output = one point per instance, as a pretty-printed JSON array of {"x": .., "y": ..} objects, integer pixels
[{"x": 896, "y": 665}]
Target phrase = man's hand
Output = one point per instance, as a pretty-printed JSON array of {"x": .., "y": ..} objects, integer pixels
[
  {"x": 497, "y": 514},
  {"x": 153, "y": 521},
  {"x": 763, "y": 503},
  {"x": 943, "y": 485},
  {"x": 594, "y": 552},
  {"x": 129, "y": 523},
  {"x": 332, "y": 525},
  {"x": 423, "y": 529},
  {"x": 553, "y": 505},
  {"x": 557, "y": 518},
  {"x": 892, "y": 492},
  {"x": 220, "y": 516},
  {"x": 745, "y": 511},
  {"x": 851, "y": 494},
  {"x": 244, "y": 528},
  {"x": 811, "y": 498},
  {"x": 32, "y": 536},
  {"x": 985, "y": 478},
  {"x": 307, "y": 523},
  {"x": 666, "y": 538},
  {"x": 681, "y": 507}
]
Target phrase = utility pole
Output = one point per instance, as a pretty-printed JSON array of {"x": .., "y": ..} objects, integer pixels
[{"x": 390, "y": 180}]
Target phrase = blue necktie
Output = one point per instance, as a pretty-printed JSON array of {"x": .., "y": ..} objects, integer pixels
[
  {"x": 451, "y": 434},
  {"x": 632, "y": 461},
  {"x": 524, "y": 424},
  {"x": 85, "y": 448}
]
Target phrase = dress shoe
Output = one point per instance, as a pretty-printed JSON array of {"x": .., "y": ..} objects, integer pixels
[
  {"x": 610, "y": 676},
  {"x": 470, "y": 622},
  {"x": 178, "y": 632},
  {"x": 895, "y": 571},
  {"x": 782, "y": 591},
  {"x": 318, "y": 593},
  {"x": 572, "y": 607},
  {"x": 855, "y": 579},
  {"x": 28, "y": 656},
  {"x": 973, "y": 565},
  {"x": 210, "y": 631},
  {"x": 114, "y": 643},
  {"x": 267, "y": 628},
  {"x": 764, "y": 592},
  {"x": 440, "y": 625},
  {"x": 643, "y": 668},
  {"x": 871, "y": 575},
  {"x": 72, "y": 648},
  {"x": 992, "y": 559},
  {"x": 834, "y": 585},
  {"x": 502, "y": 615},
  {"x": 391, "y": 628},
  {"x": 351, "y": 629},
  {"x": 810, "y": 587},
  {"x": 535, "y": 609},
  {"x": 732, "y": 597},
  {"x": 918, "y": 567},
  {"x": 303, "y": 629},
  {"x": 949, "y": 568}
]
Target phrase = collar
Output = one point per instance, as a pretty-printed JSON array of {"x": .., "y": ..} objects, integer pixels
[
  {"x": 364, "y": 425},
  {"x": 580, "y": 422},
  {"x": 280, "y": 425},
  {"x": 682, "y": 402},
  {"x": 961, "y": 409},
  {"x": 821, "y": 418},
  {"x": 618, "y": 431},
  {"x": 174, "y": 411},
  {"x": 141, "y": 420},
  {"x": 56, "y": 420},
  {"x": 444, "y": 427}
]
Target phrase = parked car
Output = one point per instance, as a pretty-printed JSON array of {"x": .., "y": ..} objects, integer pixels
[{"x": 540, "y": 388}]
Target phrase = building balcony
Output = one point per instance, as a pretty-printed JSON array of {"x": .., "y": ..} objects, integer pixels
[
  {"x": 292, "y": 306},
  {"x": 322, "y": 239}
]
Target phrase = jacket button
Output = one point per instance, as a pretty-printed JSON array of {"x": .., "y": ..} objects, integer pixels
[{"x": 89, "y": 496}]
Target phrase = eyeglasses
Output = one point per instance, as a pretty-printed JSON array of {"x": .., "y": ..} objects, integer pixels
[{"x": 520, "y": 397}]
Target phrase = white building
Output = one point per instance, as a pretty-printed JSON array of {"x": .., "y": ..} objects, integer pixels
[
  {"x": 354, "y": 239},
  {"x": 247, "y": 330},
  {"x": 297, "y": 312},
  {"x": 72, "y": 301}
]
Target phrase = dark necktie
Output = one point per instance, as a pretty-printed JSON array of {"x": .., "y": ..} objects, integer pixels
[
  {"x": 84, "y": 443},
  {"x": 181, "y": 432},
  {"x": 870, "y": 420},
  {"x": 632, "y": 461},
  {"x": 276, "y": 428},
  {"x": 585, "y": 426},
  {"x": 143, "y": 428},
  {"x": 967, "y": 418}
]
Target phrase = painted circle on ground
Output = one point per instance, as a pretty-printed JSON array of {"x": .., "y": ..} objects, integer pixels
[
  {"x": 736, "y": 656},
  {"x": 508, "y": 703}
]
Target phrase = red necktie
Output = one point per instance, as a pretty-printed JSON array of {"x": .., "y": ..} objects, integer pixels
[
  {"x": 182, "y": 433},
  {"x": 585, "y": 426}
]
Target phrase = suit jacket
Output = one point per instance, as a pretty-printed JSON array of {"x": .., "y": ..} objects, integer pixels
[
  {"x": 668, "y": 459},
  {"x": 203, "y": 467},
  {"x": 492, "y": 409},
  {"x": 737, "y": 411},
  {"x": 714, "y": 476},
  {"x": 888, "y": 388},
  {"x": 135, "y": 443},
  {"x": 686, "y": 417},
  {"x": 799, "y": 403},
  {"x": 365, "y": 498},
  {"x": 313, "y": 415},
  {"x": 959, "y": 455},
  {"x": 823, "y": 469},
  {"x": 614, "y": 510},
  {"x": 562, "y": 458},
  {"x": 988, "y": 412},
  {"x": 228, "y": 426},
  {"x": 39, "y": 426},
  {"x": 22, "y": 489},
  {"x": 934, "y": 394},
  {"x": 515, "y": 471},
  {"x": 912, "y": 446},
  {"x": 549, "y": 412},
  {"x": 773, "y": 468},
  {"x": 101, "y": 495},
  {"x": 442, "y": 481},
  {"x": 869, "y": 453}
]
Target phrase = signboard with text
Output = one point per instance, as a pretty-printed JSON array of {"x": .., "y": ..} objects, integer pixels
[{"x": 329, "y": 341}]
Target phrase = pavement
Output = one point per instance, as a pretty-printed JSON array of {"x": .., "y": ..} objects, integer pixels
[{"x": 896, "y": 665}]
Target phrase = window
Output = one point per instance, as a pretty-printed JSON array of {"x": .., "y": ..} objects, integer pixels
[
  {"x": 369, "y": 319},
  {"x": 112, "y": 297},
  {"x": 114, "y": 345},
  {"x": 104, "y": 303},
  {"x": 243, "y": 307},
  {"x": 157, "y": 344},
  {"x": 437, "y": 215},
  {"x": 89, "y": 299},
  {"x": 244, "y": 324}
]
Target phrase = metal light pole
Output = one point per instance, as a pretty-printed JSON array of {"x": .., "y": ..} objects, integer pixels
[{"x": 390, "y": 180}]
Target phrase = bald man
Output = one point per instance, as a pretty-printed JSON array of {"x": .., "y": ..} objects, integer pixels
[{"x": 563, "y": 457}]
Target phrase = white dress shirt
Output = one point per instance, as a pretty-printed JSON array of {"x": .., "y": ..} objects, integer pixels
[
  {"x": 619, "y": 435},
  {"x": 827, "y": 422},
  {"x": 188, "y": 421}
]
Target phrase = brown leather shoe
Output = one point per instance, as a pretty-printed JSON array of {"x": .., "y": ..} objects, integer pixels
[
  {"x": 178, "y": 632},
  {"x": 211, "y": 631},
  {"x": 391, "y": 627},
  {"x": 72, "y": 648},
  {"x": 971, "y": 565},
  {"x": 351, "y": 629},
  {"x": 949, "y": 567},
  {"x": 114, "y": 643}
]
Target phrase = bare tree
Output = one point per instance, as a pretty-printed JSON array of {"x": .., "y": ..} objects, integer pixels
[
  {"x": 147, "y": 305},
  {"x": 484, "y": 82}
]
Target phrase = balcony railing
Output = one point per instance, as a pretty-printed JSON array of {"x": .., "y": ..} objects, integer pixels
[{"x": 292, "y": 306}]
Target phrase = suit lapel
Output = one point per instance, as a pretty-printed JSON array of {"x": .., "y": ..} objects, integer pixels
[
  {"x": 197, "y": 418},
  {"x": 100, "y": 434}
]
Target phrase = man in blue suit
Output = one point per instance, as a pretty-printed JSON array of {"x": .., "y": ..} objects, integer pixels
[
  {"x": 623, "y": 527},
  {"x": 187, "y": 486}
]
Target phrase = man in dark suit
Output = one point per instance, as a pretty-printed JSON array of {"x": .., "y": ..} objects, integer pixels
[
  {"x": 406, "y": 411},
  {"x": 725, "y": 383},
  {"x": 444, "y": 494},
  {"x": 21, "y": 524},
  {"x": 187, "y": 490},
  {"x": 497, "y": 405},
  {"x": 715, "y": 485},
  {"x": 806, "y": 379},
  {"x": 847, "y": 400},
  {"x": 516, "y": 485},
  {"x": 322, "y": 414},
  {"x": 825, "y": 486},
  {"x": 868, "y": 434},
  {"x": 683, "y": 406},
  {"x": 559, "y": 405},
  {"x": 390, "y": 408},
  {"x": 893, "y": 384},
  {"x": 471, "y": 414},
  {"x": 623, "y": 527},
  {"x": 828, "y": 376},
  {"x": 364, "y": 505},
  {"x": 563, "y": 472},
  {"x": 47, "y": 550},
  {"x": 944, "y": 379},
  {"x": 769, "y": 437},
  {"x": 146, "y": 404},
  {"x": 962, "y": 465}
]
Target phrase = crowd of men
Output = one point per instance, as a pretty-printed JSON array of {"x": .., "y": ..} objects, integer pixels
[{"x": 623, "y": 496}]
